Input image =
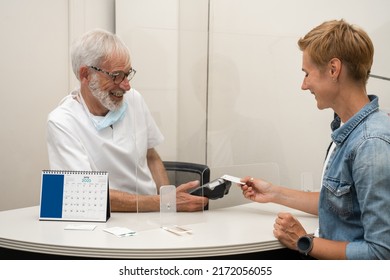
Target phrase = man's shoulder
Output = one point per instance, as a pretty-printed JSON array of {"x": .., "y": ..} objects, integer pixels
[{"x": 68, "y": 108}]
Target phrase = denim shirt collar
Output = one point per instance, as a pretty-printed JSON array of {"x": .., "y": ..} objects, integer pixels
[{"x": 341, "y": 133}]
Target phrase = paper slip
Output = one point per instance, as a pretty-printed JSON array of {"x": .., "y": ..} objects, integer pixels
[
  {"x": 232, "y": 179},
  {"x": 178, "y": 230},
  {"x": 80, "y": 227},
  {"x": 120, "y": 231}
]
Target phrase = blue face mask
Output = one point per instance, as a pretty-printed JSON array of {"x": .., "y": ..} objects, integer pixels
[{"x": 111, "y": 117}]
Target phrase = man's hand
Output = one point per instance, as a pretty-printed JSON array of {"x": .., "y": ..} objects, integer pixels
[{"x": 186, "y": 202}]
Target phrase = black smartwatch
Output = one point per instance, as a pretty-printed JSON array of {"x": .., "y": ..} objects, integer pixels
[{"x": 305, "y": 244}]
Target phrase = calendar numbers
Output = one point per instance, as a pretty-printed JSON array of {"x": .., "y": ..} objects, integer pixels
[{"x": 85, "y": 196}]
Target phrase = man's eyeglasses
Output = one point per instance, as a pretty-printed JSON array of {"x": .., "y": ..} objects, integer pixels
[{"x": 117, "y": 76}]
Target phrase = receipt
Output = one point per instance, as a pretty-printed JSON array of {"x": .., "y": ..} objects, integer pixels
[{"x": 80, "y": 227}]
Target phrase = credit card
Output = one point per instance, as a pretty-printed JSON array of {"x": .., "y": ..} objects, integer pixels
[{"x": 232, "y": 179}]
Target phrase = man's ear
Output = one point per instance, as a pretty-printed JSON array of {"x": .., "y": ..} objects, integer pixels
[{"x": 84, "y": 73}]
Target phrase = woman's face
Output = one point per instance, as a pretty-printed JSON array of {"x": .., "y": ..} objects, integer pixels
[{"x": 319, "y": 82}]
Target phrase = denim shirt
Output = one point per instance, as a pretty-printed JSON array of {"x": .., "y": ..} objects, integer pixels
[{"x": 354, "y": 201}]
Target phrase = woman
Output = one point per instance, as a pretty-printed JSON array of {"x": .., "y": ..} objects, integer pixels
[{"x": 354, "y": 202}]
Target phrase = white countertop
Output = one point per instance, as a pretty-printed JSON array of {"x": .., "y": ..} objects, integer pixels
[{"x": 234, "y": 230}]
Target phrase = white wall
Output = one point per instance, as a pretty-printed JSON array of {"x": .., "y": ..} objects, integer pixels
[{"x": 233, "y": 101}]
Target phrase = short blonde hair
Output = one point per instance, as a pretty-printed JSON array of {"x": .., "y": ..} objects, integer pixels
[{"x": 338, "y": 39}]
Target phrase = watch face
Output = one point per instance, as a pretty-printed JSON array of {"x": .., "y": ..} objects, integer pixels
[{"x": 304, "y": 243}]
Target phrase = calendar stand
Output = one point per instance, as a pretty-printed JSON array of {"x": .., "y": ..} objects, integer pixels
[{"x": 75, "y": 196}]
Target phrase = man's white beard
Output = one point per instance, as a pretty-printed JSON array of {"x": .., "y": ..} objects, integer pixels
[{"x": 103, "y": 96}]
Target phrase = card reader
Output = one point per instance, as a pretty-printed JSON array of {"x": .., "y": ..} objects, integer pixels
[{"x": 213, "y": 190}]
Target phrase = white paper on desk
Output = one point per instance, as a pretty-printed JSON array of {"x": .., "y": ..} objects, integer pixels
[
  {"x": 178, "y": 230},
  {"x": 80, "y": 227},
  {"x": 120, "y": 231}
]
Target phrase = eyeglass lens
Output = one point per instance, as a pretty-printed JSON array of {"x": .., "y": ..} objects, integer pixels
[{"x": 120, "y": 76}]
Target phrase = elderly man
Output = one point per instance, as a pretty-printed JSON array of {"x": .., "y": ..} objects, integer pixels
[{"x": 105, "y": 125}]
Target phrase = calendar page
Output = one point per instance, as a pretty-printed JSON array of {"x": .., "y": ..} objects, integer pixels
[{"x": 74, "y": 195}]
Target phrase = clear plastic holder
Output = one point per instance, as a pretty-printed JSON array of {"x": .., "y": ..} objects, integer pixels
[
  {"x": 168, "y": 217},
  {"x": 167, "y": 206}
]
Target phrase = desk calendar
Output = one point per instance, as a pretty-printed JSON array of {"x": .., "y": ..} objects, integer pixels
[{"x": 74, "y": 196}]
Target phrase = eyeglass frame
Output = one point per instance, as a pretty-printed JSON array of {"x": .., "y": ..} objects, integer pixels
[{"x": 116, "y": 74}]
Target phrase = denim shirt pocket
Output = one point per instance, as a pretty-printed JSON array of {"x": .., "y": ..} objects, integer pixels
[{"x": 338, "y": 197}]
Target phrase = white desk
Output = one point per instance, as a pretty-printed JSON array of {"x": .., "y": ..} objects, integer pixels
[{"x": 229, "y": 231}]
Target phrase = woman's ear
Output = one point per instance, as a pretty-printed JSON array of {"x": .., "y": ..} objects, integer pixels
[{"x": 335, "y": 68}]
